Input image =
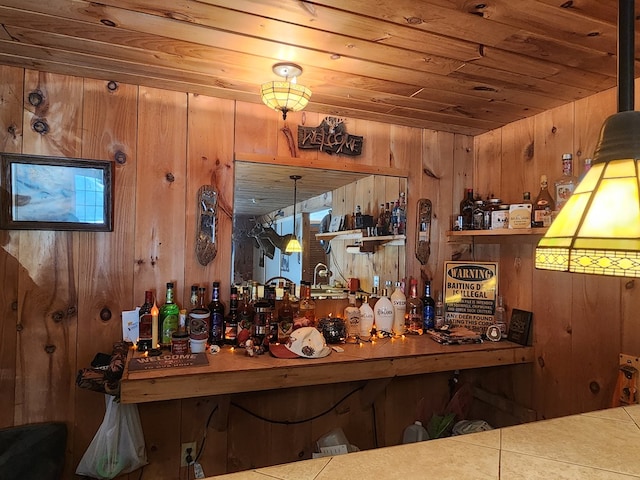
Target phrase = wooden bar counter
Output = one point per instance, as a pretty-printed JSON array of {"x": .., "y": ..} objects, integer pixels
[{"x": 232, "y": 371}]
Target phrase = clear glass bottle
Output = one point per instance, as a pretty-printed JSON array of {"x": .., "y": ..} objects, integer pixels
[
  {"x": 415, "y": 311},
  {"x": 428, "y": 308},
  {"x": 307, "y": 306},
  {"x": 543, "y": 206},
  {"x": 352, "y": 317},
  {"x": 285, "y": 318},
  {"x": 366, "y": 319},
  {"x": 566, "y": 184},
  {"x": 478, "y": 215},
  {"x": 168, "y": 318},
  {"x": 498, "y": 318},
  {"x": 438, "y": 320},
  {"x": 399, "y": 302},
  {"x": 383, "y": 313}
]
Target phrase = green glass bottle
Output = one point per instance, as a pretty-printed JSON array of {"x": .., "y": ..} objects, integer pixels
[{"x": 168, "y": 318}]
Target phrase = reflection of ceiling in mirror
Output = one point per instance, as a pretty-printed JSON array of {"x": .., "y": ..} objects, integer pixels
[{"x": 263, "y": 188}]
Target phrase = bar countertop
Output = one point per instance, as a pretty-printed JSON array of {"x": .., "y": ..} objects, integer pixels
[
  {"x": 232, "y": 371},
  {"x": 603, "y": 445}
]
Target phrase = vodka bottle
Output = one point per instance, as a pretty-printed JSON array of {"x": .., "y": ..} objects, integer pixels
[{"x": 399, "y": 302}]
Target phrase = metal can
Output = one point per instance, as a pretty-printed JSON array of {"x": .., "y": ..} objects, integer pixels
[{"x": 180, "y": 343}]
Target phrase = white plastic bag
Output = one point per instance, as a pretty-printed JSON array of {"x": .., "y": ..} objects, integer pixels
[{"x": 118, "y": 446}]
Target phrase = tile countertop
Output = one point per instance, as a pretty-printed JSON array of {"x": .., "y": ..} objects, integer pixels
[{"x": 602, "y": 445}]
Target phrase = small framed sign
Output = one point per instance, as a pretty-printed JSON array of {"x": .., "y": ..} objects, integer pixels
[
  {"x": 51, "y": 193},
  {"x": 520, "y": 326}
]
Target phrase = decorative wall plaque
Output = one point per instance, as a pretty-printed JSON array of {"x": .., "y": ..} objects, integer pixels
[{"x": 331, "y": 137}]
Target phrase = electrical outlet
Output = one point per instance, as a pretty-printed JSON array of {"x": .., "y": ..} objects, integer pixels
[{"x": 188, "y": 449}]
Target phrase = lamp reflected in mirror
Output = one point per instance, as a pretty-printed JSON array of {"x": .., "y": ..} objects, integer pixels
[{"x": 293, "y": 246}]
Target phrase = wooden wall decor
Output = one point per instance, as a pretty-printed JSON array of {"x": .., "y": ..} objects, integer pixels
[
  {"x": 206, "y": 237},
  {"x": 330, "y": 137}
]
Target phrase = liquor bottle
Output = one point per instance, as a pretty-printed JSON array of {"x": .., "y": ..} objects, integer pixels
[
  {"x": 566, "y": 184},
  {"x": 428, "y": 308},
  {"x": 498, "y": 318},
  {"x": 231, "y": 322},
  {"x": 543, "y": 206},
  {"x": 466, "y": 210},
  {"x": 380, "y": 225},
  {"x": 285, "y": 318},
  {"x": 366, "y": 319},
  {"x": 439, "y": 312},
  {"x": 168, "y": 318},
  {"x": 246, "y": 314},
  {"x": 478, "y": 215},
  {"x": 193, "y": 299},
  {"x": 383, "y": 313},
  {"x": 216, "y": 322},
  {"x": 402, "y": 229},
  {"x": 145, "y": 323},
  {"x": 262, "y": 319},
  {"x": 352, "y": 317},
  {"x": 585, "y": 169},
  {"x": 358, "y": 218},
  {"x": 307, "y": 306},
  {"x": 399, "y": 302},
  {"x": 415, "y": 311},
  {"x": 373, "y": 298}
]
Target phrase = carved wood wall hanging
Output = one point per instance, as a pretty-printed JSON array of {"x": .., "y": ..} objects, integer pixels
[{"x": 206, "y": 235}]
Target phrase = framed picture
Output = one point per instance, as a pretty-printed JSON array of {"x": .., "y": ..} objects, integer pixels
[
  {"x": 520, "y": 326},
  {"x": 52, "y": 193}
]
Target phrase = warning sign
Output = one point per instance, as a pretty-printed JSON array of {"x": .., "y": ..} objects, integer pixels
[{"x": 470, "y": 291}]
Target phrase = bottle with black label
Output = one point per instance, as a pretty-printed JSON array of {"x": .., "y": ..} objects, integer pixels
[
  {"x": 216, "y": 320},
  {"x": 543, "y": 206},
  {"x": 231, "y": 322},
  {"x": 466, "y": 210},
  {"x": 145, "y": 325}
]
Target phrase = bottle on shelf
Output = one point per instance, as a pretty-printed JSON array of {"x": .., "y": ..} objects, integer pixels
[
  {"x": 231, "y": 321},
  {"x": 216, "y": 309},
  {"x": 366, "y": 319},
  {"x": 428, "y": 308},
  {"x": 439, "y": 320},
  {"x": 478, "y": 215},
  {"x": 566, "y": 184},
  {"x": 499, "y": 315},
  {"x": 585, "y": 168},
  {"x": 543, "y": 206},
  {"x": 466, "y": 210},
  {"x": 168, "y": 318},
  {"x": 383, "y": 313},
  {"x": 520, "y": 213},
  {"x": 193, "y": 298},
  {"x": 399, "y": 302},
  {"x": 380, "y": 226},
  {"x": 375, "y": 289},
  {"x": 145, "y": 323},
  {"x": 352, "y": 317},
  {"x": 307, "y": 308},
  {"x": 246, "y": 314},
  {"x": 415, "y": 313},
  {"x": 285, "y": 318},
  {"x": 262, "y": 318}
]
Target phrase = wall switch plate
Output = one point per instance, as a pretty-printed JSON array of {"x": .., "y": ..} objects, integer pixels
[{"x": 185, "y": 452}]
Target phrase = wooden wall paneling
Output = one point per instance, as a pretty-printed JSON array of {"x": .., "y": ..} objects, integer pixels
[
  {"x": 376, "y": 144},
  {"x": 287, "y": 133},
  {"x": 10, "y": 141},
  {"x": 256, "y": 129},
  {"x": 105, "y": 258},
  {"x": 517, "y": 151},
  {"x": 590, "y": 114},
  {"x": 48, "y": 282},
  {"x": 553, "y": 299},
  {"x": 210, "y": 162},
  {"x": 598, "y": 308},
  {"x": 159, "y": 234},
  {"x": 160, "y": 192}
]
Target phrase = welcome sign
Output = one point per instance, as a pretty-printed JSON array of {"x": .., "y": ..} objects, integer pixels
[
  {"x": 470, "y": 292},
  {"x": 168, "y": 360}
]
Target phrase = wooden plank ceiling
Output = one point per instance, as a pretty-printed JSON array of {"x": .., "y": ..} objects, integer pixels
[{"x": 452, "y": 65}]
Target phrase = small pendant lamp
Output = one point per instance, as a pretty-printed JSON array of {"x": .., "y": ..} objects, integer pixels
[{"x": 293, "y": 246}]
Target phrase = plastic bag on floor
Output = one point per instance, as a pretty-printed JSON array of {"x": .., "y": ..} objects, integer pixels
[{"x": 118, "y": 446}]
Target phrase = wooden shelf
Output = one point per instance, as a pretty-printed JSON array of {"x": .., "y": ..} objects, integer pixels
[
  {"x": 497, "y": 235},
  {"x": 231, "y": 371},
  {"x": 360, "y": 235}
]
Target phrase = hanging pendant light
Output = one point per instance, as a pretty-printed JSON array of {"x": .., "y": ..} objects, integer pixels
[
  {"x": 598, "y": 230},
  {"x": 293, "y": 246},
  {"x": 287, "y": 96}
]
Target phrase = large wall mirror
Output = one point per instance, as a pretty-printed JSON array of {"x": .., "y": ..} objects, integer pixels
[{"x": 263, "y": 222}]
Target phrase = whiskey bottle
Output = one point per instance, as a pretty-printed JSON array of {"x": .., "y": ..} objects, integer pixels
[
  {"x": 543, "y": 206},
  {"x": 285, "y": 318},
  {"x": 566, "y": 184},
  {"x": 307, "y": 306},
  {"x": 352, "y": 317},
  {"x": 466, "y": 210},
  {"x": 145, "y": 323},
  {"x": 216, "y": 319},
  {"x": 415, "y": 311},
  {"x": 168, "y": 318},
  {"x": 231, "y": 322}
]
